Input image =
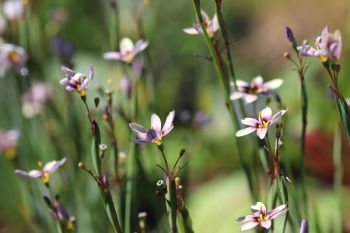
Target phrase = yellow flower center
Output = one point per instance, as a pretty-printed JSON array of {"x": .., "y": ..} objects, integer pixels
[
  {"x": 157, "y": 142},
  {"x": 70, "y": 225},
  {"x": 45, "y": 177},
  {"x": 323, "y": 58},
  {"x": 129, "y": 57},
  {"x": 14, "y": 57},
  {"x": 263, "y": 218},
  {"x": 10, "y": 153}
]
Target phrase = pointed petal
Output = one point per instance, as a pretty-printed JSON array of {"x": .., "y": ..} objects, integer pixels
[
  {"x": 258, "y": 207},
  {"x": 277, "y": 116},
  {"x": 236, "y": 95},
  {"x": 126, "y": 45},
  {"x": 273, "y": 84},
  {"x": 249, "y": 225},
  {"x": 214, "y": 24},
  {"x": 140, "y": 141},
  {"x": 192, "y": 31},
  {"x": 250, "y": 98},
  {"x": 22, "y": 173},
  {"x": 204, "y": 15},
  {"x": 241, "y": 83},
  {"x": 156, "y": 123},
  {"x": 250, "y": 122},
  {"x": 52, "y": 166},
  {"x": 138, "y": 130},
  {"x": 261, "y": 132},
  {"x": 266, "y": 113},
  {"x": 140, "y": 46},
  {"x": 168, "y": 125},
  {"x": 277, "y": 211},
  {"x": 67, "y": 72},
  {"x": 307, "y": 50},
  {"x": 113, "y": 56},
  {"x": 245, "y": 131},
  {"x": 257, "y": 81},
  {"x": 266, "y": 224}
]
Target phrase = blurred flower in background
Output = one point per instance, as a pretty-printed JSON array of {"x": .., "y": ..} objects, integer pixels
[
  {"x": 45, "y": 173},
  {"x": 251, "y": 91},
  {"x": 128, "y": 50},
  {"x": 8, "y": 142},
  {"x": 125, "y": 86},
  {"x": 211, "y": 26},
  {"x": 34, "y": 100},
  {"x": 12, "y": 56},
  {"x": 14, "y": 9},
  {"x": 63, "y": 49},
  {"x": 328, "y": 46}
]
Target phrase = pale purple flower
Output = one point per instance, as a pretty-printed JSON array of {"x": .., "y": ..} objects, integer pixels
[
  {"x": 251, "y": 91},
  {"x": 11, "y": 56},
  {"x": 45, "y": 173},
  {"x": 8, "y": 142},
  {"x": 14, "y": 9},
  {"x": 125, "y": 86},
  {"x": 59, "y": 213},
  {"x": 260, "y": 125},
  {"x": 156, "y": 133},
  {"x": 128, "y": 50},
  {"x": 73, "y": 81},
  {"x": 327, "y": 46},
  {"x": 211, "y": 26},
  {"x": 35, "y": 99},
  {"x": 304, "y": 227},
  {"x": 261, "y": 216}
]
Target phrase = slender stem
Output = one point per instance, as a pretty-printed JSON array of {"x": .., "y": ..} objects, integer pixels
[
  {"x": 338, "y": 179},
  {"x": 229, "y": 104},
  {"x": 171, "y": 203},
  {"x": 161, "y": 148},
  {"x": 111, "y": 211},
  {"x": 304, "y": 107}
]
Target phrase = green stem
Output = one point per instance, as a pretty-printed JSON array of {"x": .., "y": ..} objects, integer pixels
[
  {"x": 171, "y": 206},
  {"x": 338, "y": 178},
  {"x": 304, "y": 108},
  {"x": 229, "y": 104}
]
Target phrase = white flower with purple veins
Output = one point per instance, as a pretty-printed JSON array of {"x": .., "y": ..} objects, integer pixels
[
  {"x": 73, "y": 81},
  {"x": 251, "y": 91},
  {"x": 261, "y": 216},
  {"x": 260, "y": 125},
  {"x": 45, "y": 173},
  {"x": 11, "y": 56},
  {"x": 327, "y": 46},
  {"x": 128, "y": 50},
  {"x": 211, "y": 26},
  {"x": 156, "y": 133}
]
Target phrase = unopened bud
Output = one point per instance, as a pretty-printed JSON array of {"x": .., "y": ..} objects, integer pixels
[
  {"x": 81, "y": 165},
  {"x": 286, "y": 55},
  {"x": 178, "y": 181}
]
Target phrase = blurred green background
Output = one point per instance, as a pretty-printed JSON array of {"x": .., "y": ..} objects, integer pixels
[{"x": 216, "y": 189}]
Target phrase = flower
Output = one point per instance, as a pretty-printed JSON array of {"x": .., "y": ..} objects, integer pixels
[
  {"x": 250, "y": 91},
  {"x": 156, "y": 133},
  {"x": 59, "y": 213},
  {"x": 304, "y": 227},
  {"x": 211, "y": 26},
  {"x": 261, "y": 216},
  {"x": 35, "y": 99},
  {"x": 328, "y": 46},
  {"x": 43, "y": 174},
  {"x": 260, "y": 125},
  {"x": 8, "y": 142},
  {"x": 128, "y": 50},
  {"x": 11, "y": 56},
  {"x": 14, "y": 9},
  {"x": 76, "y": 81}
]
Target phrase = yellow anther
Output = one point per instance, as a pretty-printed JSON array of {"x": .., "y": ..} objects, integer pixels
[
  {"x": 45, "y": 177},
  {"x": 14, "y": 56},
  {"x": 10, "y": 153},
  {"x": 157, "y": 142},
  {"x": 323, "y": 58},
  {"x": 82, "y": 92}
]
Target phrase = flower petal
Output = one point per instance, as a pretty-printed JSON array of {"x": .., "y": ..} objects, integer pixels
[
  {"x": 126, "y": 45},
  {"x": 307, "y": 50},
  {"x": 277, "y": 116},
  {"x": 140, "y": 46},
  {"x": 277, "y": 211},
  {"x": 168, "y": 125},
  {"x": 52, "y": 166},
  {"x": 156, "y": 123},
  {"x": 266, "y": 224},
  {"x": 214, "y": 24},
  {"x": 192, "y": 30},
  {"x": 259, "y": 206},
  {"x": 204, "y": 15},
  {"x": 261, "y": 132},
  {"x": 249, "y": 225},
  {"x": 257, "y": 81},
  {"x": 266, "y": 113},
  {"x": 113, "y": 56},
  {"x": 250, "y": 98},
  {"x": 273, "y": 84},
  {"x": 241, "y": 83},
  {"x": 236, "y": 95},
  {"x": 250, "y": 122},
  {"x": 245, "y": 131},
  {"x": 138, "y": 130}
]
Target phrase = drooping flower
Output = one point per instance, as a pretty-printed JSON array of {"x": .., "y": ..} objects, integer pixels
[
  {"x": 327, "y": 46},
  {"x": 35, "y": 99},
  {"x": 45, "y": 173},
  {"x": 128, "y": 50},
  {"x": 251, "y": 91},
  {"x": 260, "y": 125},
  {"x": 211, "y": 26},
  {"x": 8, "y": 142},
  {"x": 156, "y": 133},
  {"x": 12, "y": 56},
  {"x": 73, "y": 81},
  {"x": 261, "y": 216}
]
